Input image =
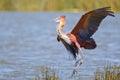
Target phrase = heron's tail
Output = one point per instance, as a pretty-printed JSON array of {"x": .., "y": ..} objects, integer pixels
[{"x": 90, "y": 44}]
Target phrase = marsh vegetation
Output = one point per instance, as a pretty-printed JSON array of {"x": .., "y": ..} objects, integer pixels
[
  {"x": 107, "y": 73},
  {"x": 57, "y": 5}
]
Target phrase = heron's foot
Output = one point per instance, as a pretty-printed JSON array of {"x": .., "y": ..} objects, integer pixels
[
  {"x": 77, "y": 65},
  {"x": 73, "y": 73}
]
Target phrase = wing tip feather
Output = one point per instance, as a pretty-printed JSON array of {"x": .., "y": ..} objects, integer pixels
[
  {"x": 110, "y": 13},
  {"x": 106, "y": 10}
]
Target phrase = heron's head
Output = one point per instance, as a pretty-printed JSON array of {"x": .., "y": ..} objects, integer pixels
[{"x": 60, "y": 19}]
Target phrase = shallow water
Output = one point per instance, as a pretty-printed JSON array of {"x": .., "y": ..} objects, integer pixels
[{"x": 28, "y": 41}]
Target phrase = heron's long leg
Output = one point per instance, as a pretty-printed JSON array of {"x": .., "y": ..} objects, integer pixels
[{"x": 80, "y": 59}]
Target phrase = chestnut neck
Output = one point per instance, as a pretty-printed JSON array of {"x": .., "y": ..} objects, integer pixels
[{"x": 60, "y": 26}]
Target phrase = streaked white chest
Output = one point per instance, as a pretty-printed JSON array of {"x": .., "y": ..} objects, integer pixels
[{"x": 65, "y": 38}]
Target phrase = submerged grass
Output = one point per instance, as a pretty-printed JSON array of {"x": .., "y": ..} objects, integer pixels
[{"x": 108, "y": 73}]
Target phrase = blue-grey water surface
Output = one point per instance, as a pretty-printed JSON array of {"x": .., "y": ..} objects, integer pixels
[{"x": 28, "y": 41}]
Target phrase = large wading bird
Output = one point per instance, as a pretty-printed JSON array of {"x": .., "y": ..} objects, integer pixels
[{"x": 81, "y": 35}]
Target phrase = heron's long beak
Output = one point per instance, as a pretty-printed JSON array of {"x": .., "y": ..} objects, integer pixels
[{"x": 56, "y": 20}]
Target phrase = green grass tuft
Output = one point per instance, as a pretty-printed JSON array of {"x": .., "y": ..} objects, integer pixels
[
  {"x": 109, "y": 73},
  {"x": 46, "y": 74}
]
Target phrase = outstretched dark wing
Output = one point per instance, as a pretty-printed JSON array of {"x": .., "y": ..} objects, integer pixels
[{"x": 90, "y": 21}]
